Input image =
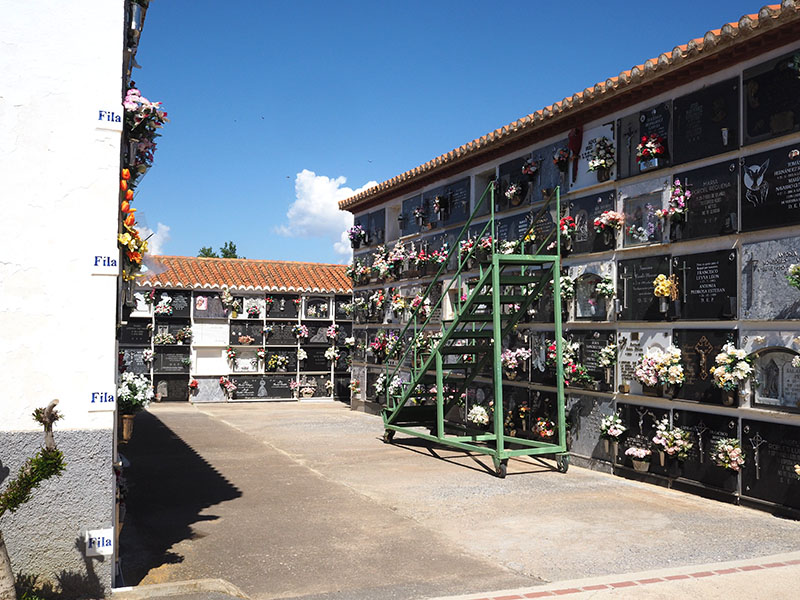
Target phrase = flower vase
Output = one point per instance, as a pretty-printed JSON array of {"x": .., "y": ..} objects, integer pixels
[
  {"x": 611, "y": 447},
  {"x": 566, "y": 245},
  {"x": 609, "y": 237},
  {"x": 420, "y": 221},
  {"x": 729, "y": 397},
  {"x": 234, "y": 314},
  {"x": 127, "y": 427},
  {"x": 641, "y": 466},
  {"x": 603, "y": 174},
  {"x": 675, "y": 230},
  {"x": 482, "y": 254},
  {"x": 649, "y": 165},
  {"x": 511, "y": 374},
  {"x": 661, "y": 455},
  {"x": 663, "y": 304},
  {"x": 355, "y": 244}
]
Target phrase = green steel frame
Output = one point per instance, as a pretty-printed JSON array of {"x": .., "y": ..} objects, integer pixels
[{"x": 471, "y": 326}]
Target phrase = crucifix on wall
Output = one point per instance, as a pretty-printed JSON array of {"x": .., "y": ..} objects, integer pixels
[{"x": 703, "y": 348}]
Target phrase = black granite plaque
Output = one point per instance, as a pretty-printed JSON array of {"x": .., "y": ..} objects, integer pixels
[
  {"x": 408, "y": 224},
  {"x": 713, "y": 206},
  {"x": 243, "y": 329},
  {"x": 642, "y": 223},
  {"x": 707, "y": 285},
  {"x": 641, "y": 422},
  {"x": 549, "y": 176},
  {"x": 376, "y": 227},
  {"x": 208, "y": 305},
  {"x": 706, "y": 121},
  {"x": 705, "y": 431},
  {"x": 283, "y": 306},
  {"x": 585, "y": 210},
  {"x": 289, "y": 353},
  {"x": 281, "y": 334},
  {"x": 657, "y": 120},
  {"x": 453, "y": 204},
  {"x": 361, "y": 345},
  {"x": 341, "y": 387},
  {"x": 588, "y": 305},
  {"x": 181, "y": 302},
  {"x": 278, "y": 386},
  {"x": 591, "y": 343},
  {"x": 316, "y": 360},
  {"x": 698, "y": 348},
  {"x": 510, "y": 229},
  {"x": 771, "y": 452},
  {"x": 511, "y": 174},
  {"x": 170, "y": 359},
  {"x": 544, "y": 225},
  {"x": 135, "y": 332},
  {"x": 171, "y": 388},
  {"x": 170, "y": 326},
  {"x": 635, "y": 287},
  {"x": 343, "y": 362},
  {"x": 250, "y": 387},
  {"x": 771, "y": 188},
  {"x": 771, "y": 94},
  {"x": 340, "y": 313},
  {"x": 628, "y": 137},
  {"x": 131, "y": 361}
]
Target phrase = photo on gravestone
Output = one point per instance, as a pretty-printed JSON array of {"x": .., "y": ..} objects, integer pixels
[
  {"x": 376, "y": 227},
  {"x": 246, "y": 333},
  {"x": 585, "y": 210},
  {"x": 713, "y": 207},
  {"x": 246, "y": 361},
  {"x": 770, "y": 188},
  {"x": 705, "y": 430},
  {"x": 584, "y": 415},
  {"x": 707, "y": 287},
  {"x": 640, "y": 422},
  {"x": 699, "y": 348},
  {"x": 636, "y": 301},
  {"x": 171, "y": 359},
  {"x": 407, "y": 219},
  {"x": 208, "y": 305},
  {"x": 131, "y": 360},
  {"x": 771, "y": 452},
  {"x": 771, "y": 98},
  {"x": 136, "y": 332},
  {"x": 171, "y": 388},
  {"x": 766, "y": 291},
  {"x": 706, "y": 122},
  {"x": 642, "y": 223},
  {"x": 776, "y": 381},
  {"x": 515, "y": 188},
  {"x": 631, "y": 346},
  {"x": 596, "y": 158},
  {"x": 283, "y": 306},
  {"x": 317, "y": 308},
  {"x": 281, "y": 333}
]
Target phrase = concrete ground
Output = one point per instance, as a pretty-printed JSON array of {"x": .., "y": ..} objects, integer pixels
[{"x": 304, "y": 501}]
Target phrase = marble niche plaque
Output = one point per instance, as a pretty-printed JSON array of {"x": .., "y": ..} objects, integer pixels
[
  {"x": 453, "y": 204},
  {"x": 642, "y": 224},
  {"x": 589, "y": 306},
  {"x": 585, "y": 177},
  {"x": 766, "y": 293},
  {"x": 770, "y": 188},
  {"x": 136, "y": 332},
  {"x": 131, "y": 361},
  {"x": 281, "y": 334},
  {"x": 776, "y": 383},
  {"x": 591, "y": 343},
  {"x": 584, "y": 414},
  {"x": 289, "y": 353},
  {"x": 706, "y": 121},
  {"x": 631, "y": 129},
  {"x": 407, "y": 223},
  {"x": 705, "y": 430},
  {"x": 699, "y": 347},
  {"x": 712, "y": 209},
  {"x": 631, "y": 347},
  {"x": 208, "y": 305},
  {"x": 246, "y": 361},
  {"x": 585, "y": 210},
  {"x": 657, "y": 120},
  {"x": 318, "y": 308},
  {"x": 241, "y": 330},
  {"x": 171, "y": 387},
  {"x": 511, "y": 174},
  {"x": 208, "y": 390},
  {"x": 541, "y": 372},
  {"x": 376, "y": 227},
  {"x": 340, "y": 314},
  {"x": 250, "y": 387},
  {"x": 641, "y": 423},
  {"x": 283, "y": 306},
  {"x": 771, "y": 452},
  {"x": 181, "y": 301},
  {"x": 707, "y": 287},
  {"x": 771, "y": 94},
  {"x": 636, "y": 301},
  {"x": 171, "y": 359},
  {"x": 549, "y": 176}
]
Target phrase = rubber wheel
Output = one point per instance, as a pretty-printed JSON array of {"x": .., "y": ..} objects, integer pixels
[
  {"x": 502, "y": 470},
  {"x": 562, "y": 463},
  {"x": 388, "y": 436}
]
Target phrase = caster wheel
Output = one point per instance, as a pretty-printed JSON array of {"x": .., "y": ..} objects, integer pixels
[
  {"x": 502, "y": 469},
  {"x": 388, "y": 436},
  {"x": 562, "y": 463}
]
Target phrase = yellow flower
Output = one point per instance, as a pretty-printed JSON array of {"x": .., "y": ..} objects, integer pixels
[{"x": 124, "y": 238}]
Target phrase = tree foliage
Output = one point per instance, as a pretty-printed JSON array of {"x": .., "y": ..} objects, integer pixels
[{"x": 226, "y": 251}]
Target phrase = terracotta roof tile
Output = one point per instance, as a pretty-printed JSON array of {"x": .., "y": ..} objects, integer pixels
[
  {"x": 247, "y": 274},
  {"x": 747, "y": 26}
]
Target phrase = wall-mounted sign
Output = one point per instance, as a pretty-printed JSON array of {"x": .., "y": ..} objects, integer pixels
[
  {"x": 99, "y": 542},
  {"x": 104, "y": 263},
  {"x": 109, "y": 118},
  {"x": 102, "y": 401}
]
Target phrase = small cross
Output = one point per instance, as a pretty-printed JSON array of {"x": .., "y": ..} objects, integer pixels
[
  {"x": 704, "y": 348},
  {"x": 625, "y": 277},
  {"x": 683, "y": 270},
  {"x": 756, "y": 441},
  {"x": 699, "y": 430}
]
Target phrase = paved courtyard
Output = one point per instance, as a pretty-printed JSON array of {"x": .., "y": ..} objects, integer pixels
[{"x": 289, "y": 500}]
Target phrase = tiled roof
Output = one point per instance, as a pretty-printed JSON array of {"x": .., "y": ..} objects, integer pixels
[
  {"x": 749, "y": 26},
  {"x": 246, "y": 274}
]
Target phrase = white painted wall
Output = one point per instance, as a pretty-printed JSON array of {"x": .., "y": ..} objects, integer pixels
[{"x": 60, "y": 63}]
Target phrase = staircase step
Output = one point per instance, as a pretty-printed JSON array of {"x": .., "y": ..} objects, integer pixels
[
  {"x": 520, "y": 279},
  {"x": 470, "y": 335},
  {"x": 468, "y": 349},
  {"x": 504, "y": 299},
  {"x": 480, "y": 318}
]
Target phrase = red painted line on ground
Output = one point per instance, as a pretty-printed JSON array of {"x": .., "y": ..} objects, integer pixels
[
  {"x": 676, "y": 577},
  {"x": 567, "y": 591},
  {"x": 622, "y": 584},
  {"x": 701, "y": 574},
  {"x": 514, "y": 597},
  {"x": 727, "y": 571},
  {"x": 773, "y": 565},
  {"x": 539, "y": 594},
  {"x": 592, "y": 588},
  {"x": 751, "y": 568},
  {"x": 646, "y": 581}
]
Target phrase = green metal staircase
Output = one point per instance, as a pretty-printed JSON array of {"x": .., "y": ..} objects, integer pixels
[{"x": 499, "y": 297}]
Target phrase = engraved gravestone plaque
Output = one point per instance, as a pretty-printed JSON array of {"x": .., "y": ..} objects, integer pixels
[
  {"x": 707, "y": 121},
  {"x": 136, "y": 332},
  {"x": 642, "y": 223},
  {"x": 635, "y": 287},
  {"x": 771, "y": 452},
  {"x": 766, "y": 293},
  {"x": 707, "y": 286},
  {"x": 770, "y": 188},
  {"x": 585, "y": 210},
  {"x": 705, "y": 430},
  {"x": 713, "y": 207},
  {"x": 133, "y": 362},
  {"x": 771, "y": 98},
  {"x": 699, "y": 348}
]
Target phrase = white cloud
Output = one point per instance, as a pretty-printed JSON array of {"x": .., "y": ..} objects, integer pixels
[
  {"x": 155, "y": 240},
  {"x": 315, "y": 211}
]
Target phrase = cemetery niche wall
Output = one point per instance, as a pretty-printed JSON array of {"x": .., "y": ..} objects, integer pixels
[
  {"x": 223, "y": 343},
  {"x": 691, "y": 246}
]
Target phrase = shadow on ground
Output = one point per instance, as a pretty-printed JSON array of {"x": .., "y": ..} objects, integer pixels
[{"x": 169, "y": 485}]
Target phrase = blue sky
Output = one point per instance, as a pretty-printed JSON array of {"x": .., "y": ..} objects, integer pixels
[{"x": 279, "y": 109}]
